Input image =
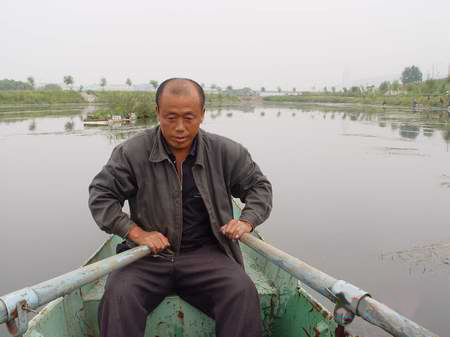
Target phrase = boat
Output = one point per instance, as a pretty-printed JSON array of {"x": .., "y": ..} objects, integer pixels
[
  {"x": 105, "y": 122},
  {"x": 287, "y": 308},
  {"x": 113, "y": 120}
]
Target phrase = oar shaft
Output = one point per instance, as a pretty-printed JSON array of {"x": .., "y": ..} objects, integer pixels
[
  {"x": 369, "y": 309},
  {"x": 47, "y": 291}
]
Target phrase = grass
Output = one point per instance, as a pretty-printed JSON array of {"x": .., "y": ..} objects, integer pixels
[
  {"x": 39, "y": 97},
  {"x": 425, "y": 101},
  {"x": 215, "y": 100}
]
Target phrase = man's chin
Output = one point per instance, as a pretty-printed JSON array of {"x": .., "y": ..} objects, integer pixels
[{"x": 177, "y": 145}]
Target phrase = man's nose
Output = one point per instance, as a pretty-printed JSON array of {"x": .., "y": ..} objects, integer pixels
[{"x": 180, "y": 125}]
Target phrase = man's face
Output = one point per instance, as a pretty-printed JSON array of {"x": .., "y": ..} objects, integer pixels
[{"x": 180, "y": 117}]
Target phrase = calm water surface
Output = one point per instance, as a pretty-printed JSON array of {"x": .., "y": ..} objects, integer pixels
[{"x": 362, "y": 194}]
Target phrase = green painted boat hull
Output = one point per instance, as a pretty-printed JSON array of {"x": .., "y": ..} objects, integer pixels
[{"x": 287, "y": 310}]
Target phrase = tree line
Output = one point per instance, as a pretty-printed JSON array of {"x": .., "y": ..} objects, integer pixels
[{"x": 69, "y": 81}]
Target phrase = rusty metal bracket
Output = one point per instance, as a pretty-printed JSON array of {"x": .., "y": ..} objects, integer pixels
[
  {"x": 342, "y": 315},
  {"x": 348, "y": 295},
  {"x": 19, "y": 328}
]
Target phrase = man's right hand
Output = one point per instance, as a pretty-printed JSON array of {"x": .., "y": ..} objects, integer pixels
[{"x": 153, "y": 240}]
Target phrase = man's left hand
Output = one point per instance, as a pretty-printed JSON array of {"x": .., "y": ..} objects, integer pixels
[{"x": 234, "y": 229}]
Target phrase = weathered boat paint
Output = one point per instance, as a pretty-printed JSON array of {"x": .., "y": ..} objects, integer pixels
[
  {"x": 50, "y": 290},
  {"x": 76, "y": 313},
  {"x": 287, "y": 310},
  {"x": 358, "y": 301}
]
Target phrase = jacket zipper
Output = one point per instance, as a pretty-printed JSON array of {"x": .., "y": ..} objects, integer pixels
[{"x": 180, "y": 184}]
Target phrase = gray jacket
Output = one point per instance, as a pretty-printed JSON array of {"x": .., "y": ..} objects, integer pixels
[{"x": 141, "y": 172}]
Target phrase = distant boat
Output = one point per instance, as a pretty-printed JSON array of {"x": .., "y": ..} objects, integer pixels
[{"x": 113, "y": 120}]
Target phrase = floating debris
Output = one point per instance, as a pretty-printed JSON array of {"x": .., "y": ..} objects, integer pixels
[
  {"x": 445, "y": 183},
  {"x": 429, "y": 258}
]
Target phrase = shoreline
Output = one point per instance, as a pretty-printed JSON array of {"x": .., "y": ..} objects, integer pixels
[{"x": 423, "y": 103}]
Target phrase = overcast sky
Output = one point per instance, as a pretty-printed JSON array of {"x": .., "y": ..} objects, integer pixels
[{"x": 239, "y": 42}]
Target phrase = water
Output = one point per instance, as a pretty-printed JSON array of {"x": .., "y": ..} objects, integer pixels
[{"x": 353, "y": 189}]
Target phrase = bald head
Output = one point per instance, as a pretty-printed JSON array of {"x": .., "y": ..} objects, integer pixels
[{"x": 180, "y": 87}]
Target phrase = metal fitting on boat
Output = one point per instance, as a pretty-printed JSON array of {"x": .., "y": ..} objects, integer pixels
[
  {"x": 348, "y": 295},
  {"x": 18, "y": 327},
  {"x": 342, "y": 315},
  {"x": 13, "y": 299}
]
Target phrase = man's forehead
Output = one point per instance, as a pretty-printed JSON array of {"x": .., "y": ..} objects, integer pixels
[
  {"x": 180, "y": 87},
  {"x": 188, "y": 96}
]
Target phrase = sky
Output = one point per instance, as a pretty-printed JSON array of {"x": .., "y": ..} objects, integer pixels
[{"x": 254, "y": 43}]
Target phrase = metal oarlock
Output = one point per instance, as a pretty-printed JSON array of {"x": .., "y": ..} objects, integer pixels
[{"x": 17, "y": 327}]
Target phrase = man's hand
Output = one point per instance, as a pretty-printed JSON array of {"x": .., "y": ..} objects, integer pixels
[
  {"x": 153, "y": 240},
  {"x": 234, "y": 229}
]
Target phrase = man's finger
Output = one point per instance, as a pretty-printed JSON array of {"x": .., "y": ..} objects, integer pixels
[
  {"x": 152, "y": 247},
  {"x": 230, "y": 225},
  {"x": 233, "y": 228},
  {"x": 164, "y": 241}
]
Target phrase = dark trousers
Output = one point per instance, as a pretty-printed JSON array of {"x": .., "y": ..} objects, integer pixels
[{"x": 205, "y": 277}]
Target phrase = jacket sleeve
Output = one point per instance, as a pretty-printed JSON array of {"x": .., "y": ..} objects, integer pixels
[
  {"x": 108, "y": 191},
  {"x": 250, "y": 185}
]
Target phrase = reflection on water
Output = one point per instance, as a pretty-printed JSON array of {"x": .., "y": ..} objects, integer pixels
[
  {"x": 409, "y": 131},
  {"x": 69, "y": 125},
  {"x": 32, "y": 125},
  {"x": 351, "y": 183}
]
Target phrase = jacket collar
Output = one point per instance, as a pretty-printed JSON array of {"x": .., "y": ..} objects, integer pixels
[{"x": 159, "y": 153}]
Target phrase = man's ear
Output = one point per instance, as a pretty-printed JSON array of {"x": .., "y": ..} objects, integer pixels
[
  {"x": 203, "y": 115},
  {"x": 157, "y": 112}
]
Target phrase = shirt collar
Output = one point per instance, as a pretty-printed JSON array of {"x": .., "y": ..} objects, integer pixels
[{"x": 192, "y": 152}]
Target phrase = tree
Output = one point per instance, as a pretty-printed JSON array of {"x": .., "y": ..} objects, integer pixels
[
  {"x": 294, "y": 89},
  {"x": 396, "y": 85},
  {"x": 68, "y": 80},
  {"x": 202, "y": 85},
  {"x": 279, "y": 89},
  {"x": 30, "y": 80},
  {"x": 355, "y": 90},
  {"x": 229, "y": 87},
  {"x": 14, "y": 85},
  {"x": 103, "y": 83},
  {"x": 213, "y": 86},
  {"x": 52, "y": 86},
  {"x": 411, "y": 75},
  {"x": 154, "y": 84},
  {"x": 128, "y": 82},
  {"x": 263, "y": 89},
  {"x": 333, "y": 89},
  {"x": 384, "y": 86}
]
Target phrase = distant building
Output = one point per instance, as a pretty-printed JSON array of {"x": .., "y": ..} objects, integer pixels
[{"x": 241, "y": 92}]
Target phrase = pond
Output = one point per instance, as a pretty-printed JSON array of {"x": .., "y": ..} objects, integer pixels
[{"x": 361, "y": 193}]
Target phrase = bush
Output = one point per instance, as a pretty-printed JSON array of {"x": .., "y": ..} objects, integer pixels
[
  {"x": 51, "y": 87},
  {"x": 39, "y": 97},
  {"x": 125, "y": 103}
]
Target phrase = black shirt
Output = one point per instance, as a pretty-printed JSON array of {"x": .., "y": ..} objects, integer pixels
[{"x": 196, "y": 223}]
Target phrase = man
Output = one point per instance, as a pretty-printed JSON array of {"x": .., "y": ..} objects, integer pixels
[{"x": 179, "y": 181}]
